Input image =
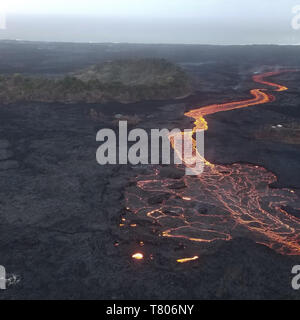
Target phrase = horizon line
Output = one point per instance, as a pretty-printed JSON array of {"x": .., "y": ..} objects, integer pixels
[{"x": 151, "y": 43}]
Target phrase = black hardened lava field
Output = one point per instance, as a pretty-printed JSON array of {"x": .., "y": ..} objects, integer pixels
[{"x": 71, "y": 228}]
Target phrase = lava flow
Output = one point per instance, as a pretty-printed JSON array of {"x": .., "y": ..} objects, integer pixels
[
  {"x": 260, "y": 96},
  {"x": 225, "y": 201}
]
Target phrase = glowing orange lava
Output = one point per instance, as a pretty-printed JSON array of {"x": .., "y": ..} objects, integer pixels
[
  {"x": 260, "y": 79},
  {"x": 138, "y": 256},
  {"x": 225, "y": 201},
  {"x": 187, "y": 259}
]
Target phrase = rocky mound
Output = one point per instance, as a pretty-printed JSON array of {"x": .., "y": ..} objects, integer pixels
[{"x": 124, "y": 81}]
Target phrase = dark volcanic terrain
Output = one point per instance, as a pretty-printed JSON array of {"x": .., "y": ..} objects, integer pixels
[{"x": 60, "y": 233}]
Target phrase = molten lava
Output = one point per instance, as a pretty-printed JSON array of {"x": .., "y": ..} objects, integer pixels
[
  {"x": 138, "y": 256},
  {"x": 187, "y": 259},
  {"x": 226, "y": 201}
]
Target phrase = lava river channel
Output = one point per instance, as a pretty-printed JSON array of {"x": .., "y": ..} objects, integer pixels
[{"x": 225, "y": 201}]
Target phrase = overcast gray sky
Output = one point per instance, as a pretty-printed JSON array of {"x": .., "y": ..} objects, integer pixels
[{"x": 152, "y": 21}]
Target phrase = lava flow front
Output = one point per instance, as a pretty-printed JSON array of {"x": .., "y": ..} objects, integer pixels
[{"x": 225, "y": 201}]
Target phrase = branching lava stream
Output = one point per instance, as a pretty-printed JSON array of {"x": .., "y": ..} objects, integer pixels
[{"x": 225, "y": 201}]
